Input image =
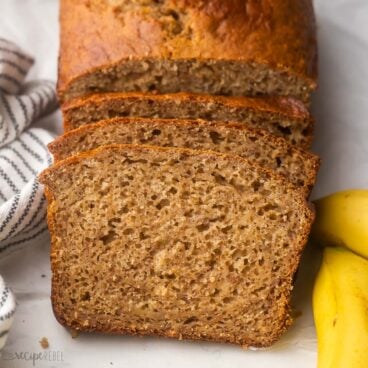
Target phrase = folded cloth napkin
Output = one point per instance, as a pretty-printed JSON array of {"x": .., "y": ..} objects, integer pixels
[{"x": 23, "y": 154}]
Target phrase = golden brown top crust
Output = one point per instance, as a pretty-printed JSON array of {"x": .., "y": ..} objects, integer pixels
[
  {"x": 279, "y": 33},
  {"x": 287, "y": 106}
]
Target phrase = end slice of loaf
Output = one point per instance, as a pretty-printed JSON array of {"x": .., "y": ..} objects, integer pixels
[
  {"x": 173, "y": 242},
  {"x": 298, "y": 166},
  {"x": 224, "y": 47},
  {"x": 284, "y": 117}
]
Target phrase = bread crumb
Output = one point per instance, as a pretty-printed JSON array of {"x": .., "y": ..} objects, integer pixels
[
  {"x": 74, "y": 333},
  {"x": 44, "y": 343}
]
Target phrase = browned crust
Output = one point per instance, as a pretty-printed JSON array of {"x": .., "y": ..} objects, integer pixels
[
  {"x": 61, "y": 141},
  {"x": 142, "y": 147},
  {"x": 283, "y": 106},
  {"x": 77, "y": 325},
  {"x": 280, "y": 34}
]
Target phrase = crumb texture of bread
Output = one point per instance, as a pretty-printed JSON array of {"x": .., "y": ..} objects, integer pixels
[
  {"x": 281, "y": 116},
  {"x": 173, "y": 242},
  {"x": 298, "y": 166},
  {"x": 225, "y": 47},
  {"x": 44, "y": 342}
]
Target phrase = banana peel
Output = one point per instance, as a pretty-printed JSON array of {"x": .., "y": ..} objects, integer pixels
[
  {"x": 340, "y": 307},
  {"x": 342, "y": 219}
]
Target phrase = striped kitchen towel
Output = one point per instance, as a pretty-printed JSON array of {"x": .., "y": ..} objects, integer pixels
[
  {"x": 7, "y": 309},
  {"x": 23, "y": 154}
]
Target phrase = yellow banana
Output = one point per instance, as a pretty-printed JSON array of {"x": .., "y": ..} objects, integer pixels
[
  {"x": 340, "y": 307},
  {"x": 342, "y": 219}
]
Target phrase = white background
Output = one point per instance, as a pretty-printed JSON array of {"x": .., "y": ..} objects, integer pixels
[{"x": 341, "y": 110}]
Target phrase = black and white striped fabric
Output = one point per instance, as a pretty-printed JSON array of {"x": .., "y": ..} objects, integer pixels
[
  {"x": 23, "y": 151},
  {"x": 23, "y": 154},
  {"x": 7, "y": 310}
]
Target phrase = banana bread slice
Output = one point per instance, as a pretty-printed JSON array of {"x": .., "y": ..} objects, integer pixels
[
  {"x": 173, "y": 242},
  {"x": 225, "y": 47},
  {"x": 299, "y": 166},
  {"x": 281, "y": 116}
]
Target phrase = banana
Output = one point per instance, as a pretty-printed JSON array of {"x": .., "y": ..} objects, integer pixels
[
  {"x": 340, "y": 307},
  {"x": 342, "y": 219}
]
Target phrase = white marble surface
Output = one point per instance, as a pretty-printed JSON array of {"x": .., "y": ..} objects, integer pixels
[{"x": 341, "y": 109}]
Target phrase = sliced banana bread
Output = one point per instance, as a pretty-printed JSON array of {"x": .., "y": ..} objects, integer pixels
[
  {"x": 226, "y": 47},
  {"x": 173, "y": 242},
  {"x": 284, "y": 117},
  {"x": 299, "y": 166}
]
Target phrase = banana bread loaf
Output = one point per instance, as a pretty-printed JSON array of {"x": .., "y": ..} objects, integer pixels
[
  {"x": 281, "y": 116},
  {"x": 173, "y": 242},
  {"x": 300, "y": 167},
  {"x": 226, "y": 47}
]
